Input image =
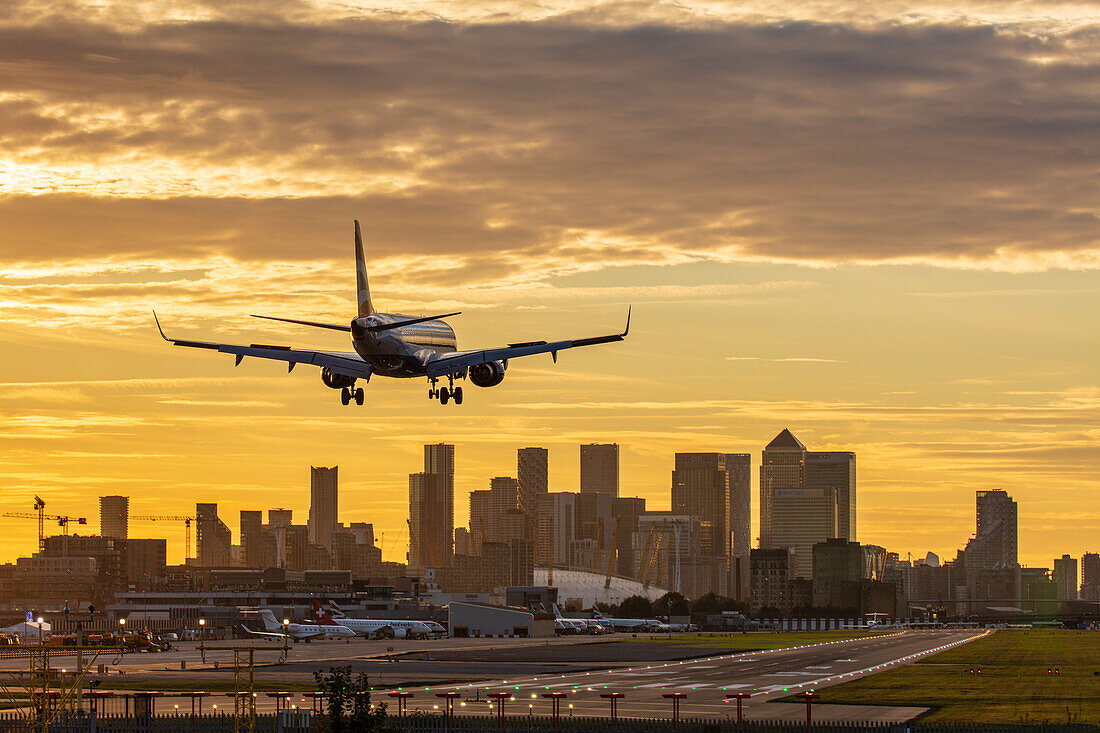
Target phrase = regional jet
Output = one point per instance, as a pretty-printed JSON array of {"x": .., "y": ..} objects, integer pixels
[
  {"x": 298, "y": 632},
  {"x": 375, "y": 627},
  {"x": 394, "y": 345}
]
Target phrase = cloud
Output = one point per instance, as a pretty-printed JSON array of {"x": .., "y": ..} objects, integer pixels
[
  {"x": 508, "y": 149},
  {"x": 808, "y": 359}
]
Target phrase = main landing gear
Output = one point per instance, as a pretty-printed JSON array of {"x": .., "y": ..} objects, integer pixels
[
  {"x": 347, "y": 395},
  {"x": 445, "y": 394}
]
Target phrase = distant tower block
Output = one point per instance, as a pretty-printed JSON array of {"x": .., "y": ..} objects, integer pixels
[
  {"x": 600, "y": 469},
  {"x": 114, "y": 516},
  {"x": 323, "y": 505}
]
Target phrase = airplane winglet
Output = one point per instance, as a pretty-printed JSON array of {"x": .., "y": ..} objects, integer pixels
[
  {"x": 627, "y": 330},
  {"x": 159, "y": 328}
]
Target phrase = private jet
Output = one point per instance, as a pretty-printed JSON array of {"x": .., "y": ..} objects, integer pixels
[{"x": 395, "y": 345}]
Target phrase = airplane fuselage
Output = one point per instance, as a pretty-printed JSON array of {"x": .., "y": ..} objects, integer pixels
[{"x": 401, "y": 352}]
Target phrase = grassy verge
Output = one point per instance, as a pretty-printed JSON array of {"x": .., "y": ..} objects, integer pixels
[
  {"x": 1013, "y": 685},
  {"x": 758, "y": 639}
]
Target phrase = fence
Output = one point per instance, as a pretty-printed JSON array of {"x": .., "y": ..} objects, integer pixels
[{"x": 301, "y": 721}]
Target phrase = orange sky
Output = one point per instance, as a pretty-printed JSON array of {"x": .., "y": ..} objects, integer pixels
[{"x": 875, "y": 226}]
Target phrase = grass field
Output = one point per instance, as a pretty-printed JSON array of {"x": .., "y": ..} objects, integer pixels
[
  {"x": 1013, "y": 686},
  {"x": 759, "y": 639}
]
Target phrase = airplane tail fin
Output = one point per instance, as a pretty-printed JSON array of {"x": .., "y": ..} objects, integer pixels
[
  {"x": 596, "y": 613},
  {"x": 270, "y": 624},
  {"x": 557, "y": 613},
  {"x": 362, "y": 288},
  {"x": 335, "y": 611}
]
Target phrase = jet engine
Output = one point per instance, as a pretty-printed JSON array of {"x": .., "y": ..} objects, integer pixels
[
  {"x": 487, "y": 375},
  {"x": 336, "y": 381}
]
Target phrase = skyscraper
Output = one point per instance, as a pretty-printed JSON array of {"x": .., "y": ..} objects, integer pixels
[
  {"x": 825, "y": 483},
  {"x": 323, "y": 504},
  {"x": 715, "y": 488},
  {"x": 533, "y": 474},
  {"x": 252, "y": 522},
  {"x": 212, "y": 538},
  {"x": 783, "y": 466},
  {"x": 997, "y": 513},
  {"x": 600, "y": 469},
  {"x": 556, "y": 528},
  {"x": 114, "y": 516},
  {"x": 279, "y": 517},
  {"x": 836, "y": 471},
  {"x": 431, "y": 509},
  {"x": 1065, "y": 577},
  {"x": 1090, "y": 576}
]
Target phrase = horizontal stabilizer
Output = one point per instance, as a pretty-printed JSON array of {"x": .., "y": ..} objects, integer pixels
[
  {"x": 315, "y": 324},
  {"x": 410, "y": 322}
]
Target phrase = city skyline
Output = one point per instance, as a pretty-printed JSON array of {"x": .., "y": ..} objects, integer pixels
[{"x": 396, "y": 548}]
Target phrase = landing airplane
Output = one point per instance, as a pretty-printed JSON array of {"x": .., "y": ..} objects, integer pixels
[
  {"x": 394, "y": 345},
  {"x": 298, "y": 632}
]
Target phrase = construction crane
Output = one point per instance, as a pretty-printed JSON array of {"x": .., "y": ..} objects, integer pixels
[
  {"x": 596, "y": 549},
  {"x": 171, "y": 518},
  {"x": 612, "y": 554},
  {"x": 656, "y": 554},
  {"x": 40, "y": 514}
]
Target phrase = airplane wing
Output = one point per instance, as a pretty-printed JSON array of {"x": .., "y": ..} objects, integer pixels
[
  {"x": 457, "y": 361},
  {"x": 347, "y": 363},
  {"x": 264, "y": 634}
]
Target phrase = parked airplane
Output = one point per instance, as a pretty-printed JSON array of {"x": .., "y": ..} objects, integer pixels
[
  {"x": 393, "y": 345},
  {"x": 629, "y": 624},
  {"x": 579, "y": 625},
  {"x": 337, "y": 613},
  {"x": 372, "y": 627},
  {"x": 298, "y": 632}
]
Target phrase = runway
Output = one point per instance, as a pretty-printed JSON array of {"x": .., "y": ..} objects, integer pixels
[{"x": 765, "y": 675}]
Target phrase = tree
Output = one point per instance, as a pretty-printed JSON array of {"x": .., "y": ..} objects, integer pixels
[
  {"x": 711, "y": 603},
  {"x": 348, "y": 702},
  {"x": 636, "y": 607},
  {"x": 672, "y": 604}
]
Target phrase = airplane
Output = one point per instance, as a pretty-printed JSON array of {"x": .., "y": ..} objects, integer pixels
[
  {"x": 298, "y": 632},
  {"x": 399, "y": 629},
  {"x": 395, "y": 345},
  {"x": 629, "y": 624},
  {"x": 580, "y": 625},
  {"x": 337, "y": 613}
]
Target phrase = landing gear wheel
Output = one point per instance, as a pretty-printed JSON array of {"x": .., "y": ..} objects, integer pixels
[
  {"x": 444, "y": 395},
  {"x": 431, "y": 394},
  {"x": 457, "y": 394},
  {"x": 359, "y": 396},
  {"x": 345, "y": 396}
]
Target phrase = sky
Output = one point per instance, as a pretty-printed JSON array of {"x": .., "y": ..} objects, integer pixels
[{"x": 875, "y": 224}]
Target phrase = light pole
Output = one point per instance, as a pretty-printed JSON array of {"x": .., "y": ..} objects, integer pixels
[
  {"x": 450, "y": 703},
  {"x": 809, "y": 697},
  {"x": 555, "y": 705},
  {"x": 202, "y": 639},
  {"x": 500, "y": 697},
  {"x": 739, "y": 696},
  {"x": 402, "y": 701},
  {"x": 676, "y": 697},
  {"x": 614, "y": 698}
]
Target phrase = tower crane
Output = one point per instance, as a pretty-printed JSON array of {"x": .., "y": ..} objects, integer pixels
[
  {"x": 171, "y": 518},
  {"x": 611, "y": 555},
  {"x": 40, "y": 514}
]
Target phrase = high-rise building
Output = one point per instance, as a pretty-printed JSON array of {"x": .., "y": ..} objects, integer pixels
[
  {"x": 252, "y": 525},
  {"x": 600, "y": 469},
  {"x": 431, "y": 509},
  {"x": 1090, "y": 576},
  {"x": 770, "y": 575},
  {"x": 836, "y": 471},
  {"x": 801, "y": 518},
  {"x": 533, "y": 475},
  {"x": 557, "y": 514},
  {"x": 783, "y": 466},
  {"x": 997, "y": 512},
  {"x": 114, "y": 516},
  {"x": 323, "y": 504},
  {"x": 1065, "y": 577},
  {"x": 626, "y": 510},
  {"x": 212, "y": 538},
  {"x": 715, "y": 488}
]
